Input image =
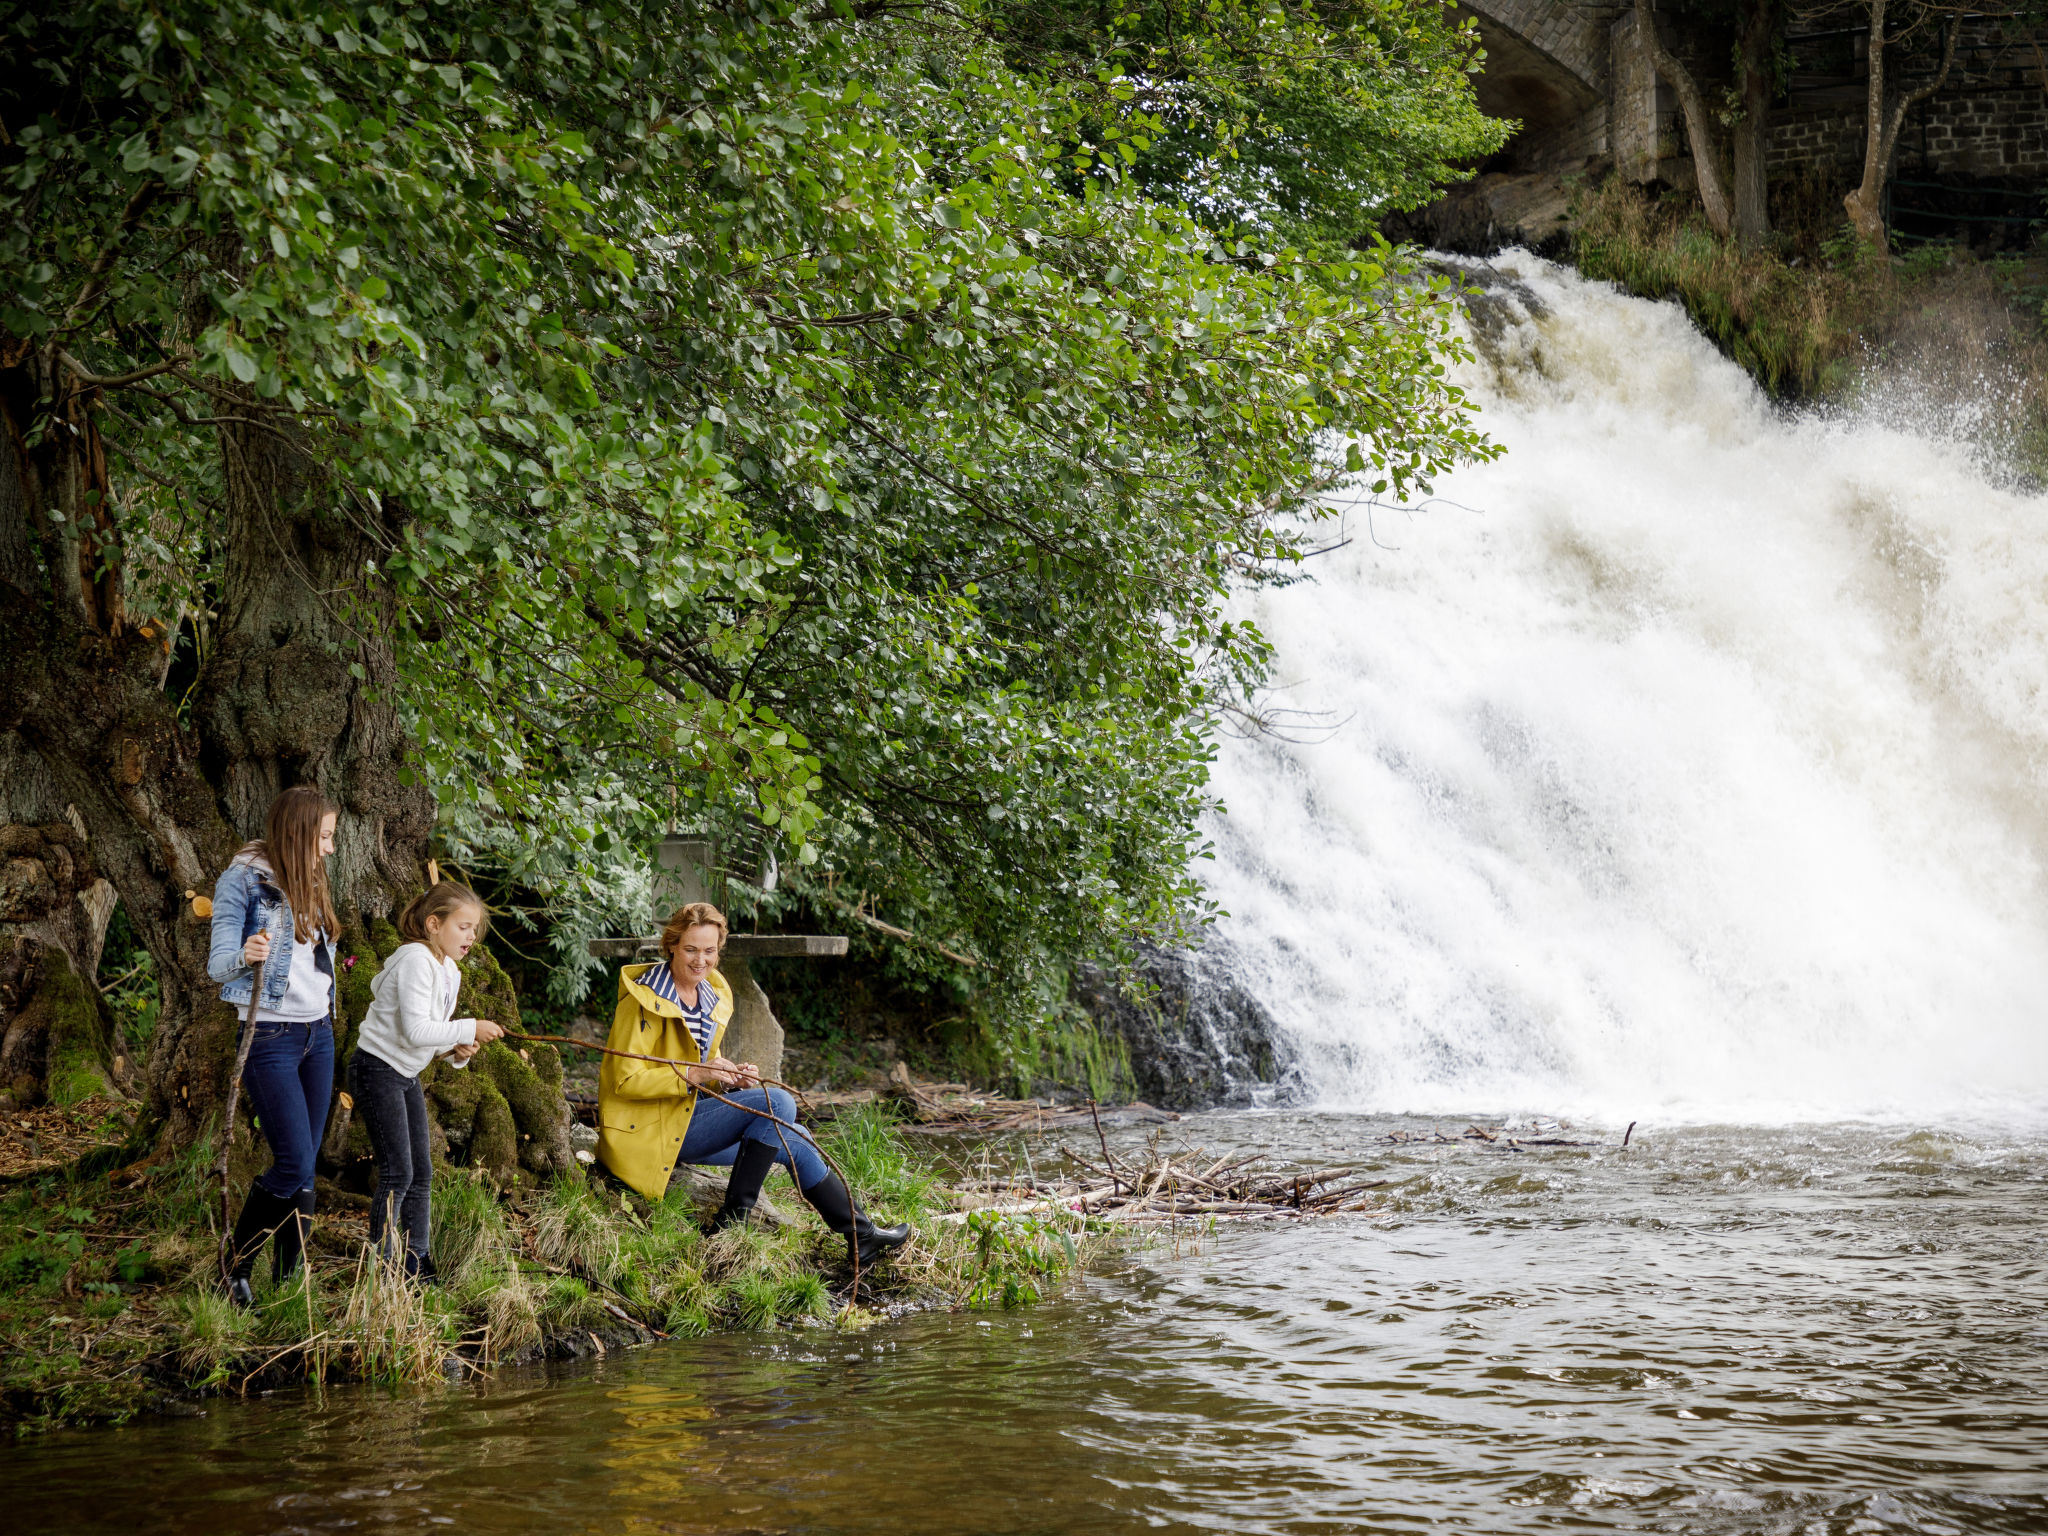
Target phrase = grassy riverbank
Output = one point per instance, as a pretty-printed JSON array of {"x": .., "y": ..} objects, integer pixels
[
  {"x": 109, "y": 1303},
  {"x": 1814, "y": 316}
]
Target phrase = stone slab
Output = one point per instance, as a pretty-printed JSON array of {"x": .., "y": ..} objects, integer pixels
[{"x": 740, "y": 946}]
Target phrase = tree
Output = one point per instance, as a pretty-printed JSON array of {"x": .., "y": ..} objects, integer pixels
[
  {"x": 1309, "y": 121},
  {"x": 575, "y": 417},
  {"x": 1892, "y": 26},
  {"x": 1734, "y": 186}
]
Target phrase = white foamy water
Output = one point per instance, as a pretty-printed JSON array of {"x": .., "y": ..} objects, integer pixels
[{"x": 1694, "y": 764}]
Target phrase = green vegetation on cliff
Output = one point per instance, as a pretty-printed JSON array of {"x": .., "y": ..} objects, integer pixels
[{"x": 1820, "y": 316}]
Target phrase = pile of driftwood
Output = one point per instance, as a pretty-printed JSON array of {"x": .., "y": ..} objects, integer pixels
[
  {"x": 1160, "y": 1186},
  {"x": 1498, "y": 1136}
]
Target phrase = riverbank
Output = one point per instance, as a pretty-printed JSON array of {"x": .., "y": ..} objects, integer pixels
[
  {"x": 1814, "y": 316},
  {"x": 110, "y": 1307},
  {"x": 1732, "y": 1329}
]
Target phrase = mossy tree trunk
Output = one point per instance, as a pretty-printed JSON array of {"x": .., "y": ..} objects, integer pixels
[
  {"x": 57, "y": 1038},
  {"x": 295, "y": 687}
]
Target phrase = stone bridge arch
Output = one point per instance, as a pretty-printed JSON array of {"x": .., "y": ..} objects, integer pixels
[{"x": 1547, "y": 65}]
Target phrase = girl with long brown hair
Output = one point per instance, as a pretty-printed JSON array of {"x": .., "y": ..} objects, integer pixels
[{"x": 272, "y": 905}]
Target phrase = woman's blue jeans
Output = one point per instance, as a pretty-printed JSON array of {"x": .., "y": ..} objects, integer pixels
[
  {"x": 716, "y": 1131},
  {"x": 290, "y": 1082}
]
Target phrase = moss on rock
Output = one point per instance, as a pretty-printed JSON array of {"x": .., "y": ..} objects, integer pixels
[
  {"x": 503, "y": 1113},
  {"x": 66, "y": 1035}
]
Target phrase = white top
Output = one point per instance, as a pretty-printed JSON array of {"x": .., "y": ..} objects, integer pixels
[
  {"x": 411, "y": 1002},
  {"x": 308, "y": 990}
]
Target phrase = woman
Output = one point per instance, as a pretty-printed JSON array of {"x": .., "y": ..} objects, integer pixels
[
  {"x": 652, "y": 1116},
  {"x": 272, "y": 904}
]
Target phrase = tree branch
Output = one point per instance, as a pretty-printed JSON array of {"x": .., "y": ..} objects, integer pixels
[
  {"x": 96, "y": 279},
  {"x": 92, "y": 380}
]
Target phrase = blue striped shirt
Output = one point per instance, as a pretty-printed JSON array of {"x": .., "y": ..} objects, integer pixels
[{"x": 661, "y": 981}]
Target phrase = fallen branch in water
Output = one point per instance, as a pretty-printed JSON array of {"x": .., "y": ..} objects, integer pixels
[
  {"x": 1174, "y": 1188},
  {"x": 1497, "y": 1136}
]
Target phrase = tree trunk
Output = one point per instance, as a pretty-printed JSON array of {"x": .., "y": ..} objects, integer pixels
[
  {"x": 1882, "y": 121},
  {"x": 1751, "y": 211},
  {"x": 57, "y": 1038},
  {"x": 166, "y": 803},
  {"x": 297, "y": 686},
  {"x": 1699, "y": 130}
]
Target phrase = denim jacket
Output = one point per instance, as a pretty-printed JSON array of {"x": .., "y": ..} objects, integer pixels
[{"x": 245, "y": 900}]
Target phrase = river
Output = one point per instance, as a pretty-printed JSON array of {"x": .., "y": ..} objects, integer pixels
[
  {"x": 1688, "y": 766},
  {"x": 1832, "y": 1329}
]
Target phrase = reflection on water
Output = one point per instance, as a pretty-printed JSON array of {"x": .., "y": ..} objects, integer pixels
[{"x": 1828, "y": 1329}]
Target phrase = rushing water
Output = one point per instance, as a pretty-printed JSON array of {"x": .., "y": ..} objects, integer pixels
[
  {"x": 1687, "y": 765},
  {"x": 1829, "y": 1330},
  {"x": 1691, "y": 758}
]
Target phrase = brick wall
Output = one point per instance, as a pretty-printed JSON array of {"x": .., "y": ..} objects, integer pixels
[
  {"x": 1989, "y": 120},
  {"x": 1990, "y": 133}
]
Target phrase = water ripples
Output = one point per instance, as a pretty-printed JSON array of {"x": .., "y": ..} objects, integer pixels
[{"x": 1815, "y": 1330}]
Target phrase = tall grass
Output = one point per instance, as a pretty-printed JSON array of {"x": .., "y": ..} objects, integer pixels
[
  {"x": 1953, "y": 336},
  {"x": 562, "y": 1260},
  {"x": 1791, "y": 328}
]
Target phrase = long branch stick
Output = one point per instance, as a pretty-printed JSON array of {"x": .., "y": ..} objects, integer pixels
[
  {"x": 678, "y": 1065},
  {"x": 227, "y": 1132}
]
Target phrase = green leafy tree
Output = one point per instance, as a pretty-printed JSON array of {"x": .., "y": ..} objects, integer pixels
[
  {"x": 583, "y": 417},
  {"x": 1304, "y": 120}
]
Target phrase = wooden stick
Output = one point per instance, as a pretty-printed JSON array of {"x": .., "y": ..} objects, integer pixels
[{"x": 227, "y": 1134}]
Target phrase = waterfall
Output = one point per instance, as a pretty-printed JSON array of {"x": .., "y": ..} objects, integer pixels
[{"x": 1689, "y": 760}]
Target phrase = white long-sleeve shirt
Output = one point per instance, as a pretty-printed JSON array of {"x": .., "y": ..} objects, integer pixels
[{"x": 411, "y": 1002}]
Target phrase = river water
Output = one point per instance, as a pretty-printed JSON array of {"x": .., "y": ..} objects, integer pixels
[
  {"x": 1827, "y": 1329},
  {"x": 1687, "y": 766}
]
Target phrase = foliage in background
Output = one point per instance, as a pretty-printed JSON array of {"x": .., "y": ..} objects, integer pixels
[
  {"x": 1934, "y": 329},
  {"x": 1300, "y": 120},
  {"x": 762, "y": 415}
]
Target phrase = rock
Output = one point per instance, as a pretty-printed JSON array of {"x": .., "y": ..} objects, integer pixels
[
  {"x": 1193, "y": 1036},
  {"x": 754, "y": 1034},
  {"x": 1492, "y": 212}
]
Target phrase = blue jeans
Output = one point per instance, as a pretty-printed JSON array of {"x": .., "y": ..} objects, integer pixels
[
  {"x": 716, "y": 1131},
  {"x": 290, "y": 1083},
  {"x": 393, "y": 1109}
]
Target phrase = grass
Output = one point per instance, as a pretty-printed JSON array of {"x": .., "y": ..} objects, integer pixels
[
  {"x": 1815, "y": 315},
  {"x": 109, "y": 1300}
]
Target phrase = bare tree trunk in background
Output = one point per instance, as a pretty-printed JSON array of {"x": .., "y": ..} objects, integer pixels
[
  {"x": 1882, "y": 121},
  {"x": 1750, "y": 220},
  {"x": 1699, "y": 130}
]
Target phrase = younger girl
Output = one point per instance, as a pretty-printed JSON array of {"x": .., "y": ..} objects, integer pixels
[
  {"x": 410, "y": 1022},
  {"x": 273, "y": 896}
]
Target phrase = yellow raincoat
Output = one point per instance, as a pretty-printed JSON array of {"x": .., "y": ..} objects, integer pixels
[{"x": 643, "y": 1108}]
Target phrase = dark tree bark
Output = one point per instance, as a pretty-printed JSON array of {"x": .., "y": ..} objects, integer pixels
[
  {"x": 1715, "y": 200},
  {"x": 1756, "y": 39},
  {"x": 57, "y": 1038},
  {"x": 166, "y": 801}
]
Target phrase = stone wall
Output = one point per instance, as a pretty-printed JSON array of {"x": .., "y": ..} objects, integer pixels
[
  {"x": 1986, "y": 135},
  {"x": 1982, "y": 134}
]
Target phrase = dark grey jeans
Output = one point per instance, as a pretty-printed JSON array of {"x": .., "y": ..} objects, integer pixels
[{"x": 394, "y": 1112}]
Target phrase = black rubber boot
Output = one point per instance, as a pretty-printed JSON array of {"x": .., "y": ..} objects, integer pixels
[
  {"x": 866, "y": 1243},
  {"x": 290, "y": 1246},
  {"x": 419, "y": 1268},
  {"x": 750, "y": 1170},
  {"x": 262, "y": 1213}
]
